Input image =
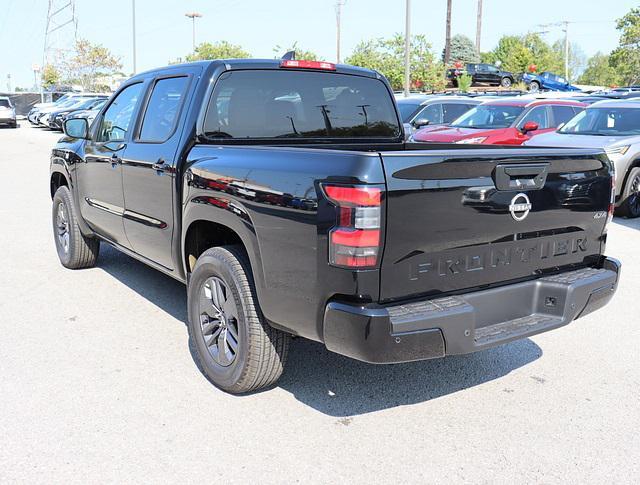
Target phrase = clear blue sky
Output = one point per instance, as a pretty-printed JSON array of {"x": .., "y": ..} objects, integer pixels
[{"x": 258, "y": 25}]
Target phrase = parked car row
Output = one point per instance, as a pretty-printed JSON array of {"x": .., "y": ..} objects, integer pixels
[
  {"x": 493, "y": 75},
  {"x": 7, "y": 113},
  {"x": 52, "y": 115},
  {"x": 595, "y": 121}
]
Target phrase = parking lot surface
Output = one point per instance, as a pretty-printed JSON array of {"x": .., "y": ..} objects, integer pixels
[{"x": 97, "y": 384}]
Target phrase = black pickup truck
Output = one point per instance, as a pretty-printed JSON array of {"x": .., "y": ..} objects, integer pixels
[
  {"x": 283, "y": 195},
  {"x": 482, "y": 74}
]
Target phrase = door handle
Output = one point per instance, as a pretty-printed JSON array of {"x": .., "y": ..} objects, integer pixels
[
  {"x": 159, "y": 166},
  {"x": 115, "y": 160}
]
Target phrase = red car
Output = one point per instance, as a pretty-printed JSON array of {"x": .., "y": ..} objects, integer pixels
[{"x": 503, "y": 122}]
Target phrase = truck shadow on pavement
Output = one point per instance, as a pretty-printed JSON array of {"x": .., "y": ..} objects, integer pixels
[
  {"x": 330, "y": 383},
  {"x": 341, "y": 387}
]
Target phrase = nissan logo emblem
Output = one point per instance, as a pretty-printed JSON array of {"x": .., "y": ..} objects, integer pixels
[{"x": 519, "y": 207}]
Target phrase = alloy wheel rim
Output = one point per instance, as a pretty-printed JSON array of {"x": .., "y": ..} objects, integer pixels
[
  {"x": 634, "y": 199},
  {"x": 219, "y": 321},
  {"x": 62, "y": 226}
]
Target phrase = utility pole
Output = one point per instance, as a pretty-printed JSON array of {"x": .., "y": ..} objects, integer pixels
[
  {"x": 61, "y": 29},
  {"x": 193, "y": 16},
  {"x": 566, "y": 50},
  {"x": 407, "y": 50},
  {"x": 339, "y": 5},
  {"x": 447, "y": 35},
  {"x": 479, "y": 26},
  {"x": 565, "y": 25},
  {"x": 133, "y": 16}
]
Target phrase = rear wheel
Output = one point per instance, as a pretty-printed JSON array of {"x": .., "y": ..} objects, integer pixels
[
  {"x": 505, "y": 82},
  {"x": 232, "y": 343},
  {"x": 74, "y": 249},
  {"x": 534, "y": 86},
  {"x": 630, "y": 206}
]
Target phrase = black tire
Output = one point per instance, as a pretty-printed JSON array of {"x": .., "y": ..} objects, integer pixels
[
  {"x": 630, "y": 205},
  {"x": 260, "y": 350},
  {"x": 534, "y": 86},
  {"x": 454, "y": 83},
  {"x": 506, "y": 82},
  {"x": 14, "y": 125},
  {"x": 74, "y": 249}
]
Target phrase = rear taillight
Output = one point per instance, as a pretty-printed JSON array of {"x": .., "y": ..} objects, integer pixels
[{"x": 354, "y": 242}]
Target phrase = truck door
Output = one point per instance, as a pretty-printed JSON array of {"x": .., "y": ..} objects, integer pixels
[
  {"x": 148, "y": 171},
  {"x": 100, "y": 177}
]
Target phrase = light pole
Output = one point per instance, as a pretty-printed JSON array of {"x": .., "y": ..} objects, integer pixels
[
  {"x": 193, "y": 16},
  {"x": 133, "y": 11},
  {"x": 407, "y": 49},
  {"x": 339, "y": 5}
]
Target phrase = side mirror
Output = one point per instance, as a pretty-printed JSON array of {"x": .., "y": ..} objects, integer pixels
[
  {"x": 420, "y": 123},
  {"x": 529, "y": 126},
  {"x": 76, "y": 128}
]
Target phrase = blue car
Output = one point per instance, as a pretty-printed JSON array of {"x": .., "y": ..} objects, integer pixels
[{"x": 548, "y": 81}]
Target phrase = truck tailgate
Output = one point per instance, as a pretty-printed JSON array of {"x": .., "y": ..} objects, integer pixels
[{"x": 464, "y": 219}]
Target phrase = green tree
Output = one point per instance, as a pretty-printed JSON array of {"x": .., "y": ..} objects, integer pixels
[
  {"x": 517, "y": 53},
  {"x": 50, "y": 76},
  {"x": 301, "y": 53},
  {"x": 218, "y": 50},
  {"x": 88, "y": 63},
  {"x": 387, "y": 57},
  {"x": 462, "y": 50},
  {"x": 599, "y": 72},
  {"x": 626, "y": 57}
]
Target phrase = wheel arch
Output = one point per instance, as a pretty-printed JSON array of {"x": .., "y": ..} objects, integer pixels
[
  {"x": 205, "y": 227},
  {"x": 621, "y": 188},
  {"x": 57, "y": 180}
]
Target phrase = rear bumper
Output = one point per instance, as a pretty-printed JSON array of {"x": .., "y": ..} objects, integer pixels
[{"x": 467, "y": 323}]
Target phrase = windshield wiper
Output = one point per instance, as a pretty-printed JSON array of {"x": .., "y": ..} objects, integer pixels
[{"x": 217, "y": 134}]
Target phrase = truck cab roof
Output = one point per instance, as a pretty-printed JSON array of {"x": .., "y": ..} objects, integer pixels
[{"x": 240, "y": 64}]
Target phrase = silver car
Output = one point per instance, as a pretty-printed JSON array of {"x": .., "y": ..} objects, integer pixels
[
  {"x": 613, "y": 126},
  {"x": 7, "y": 113},
  {"x": 418, "y": 111}
]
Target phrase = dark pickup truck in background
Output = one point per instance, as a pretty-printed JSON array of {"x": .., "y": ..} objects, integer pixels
[
  {"x": 482, "y": 74},
  {"x": 283, "y": 194}
]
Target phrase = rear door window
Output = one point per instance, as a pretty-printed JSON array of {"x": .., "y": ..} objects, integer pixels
[
  {"x": 163, "y": 109},
  {"x": 299, "y": 104}
]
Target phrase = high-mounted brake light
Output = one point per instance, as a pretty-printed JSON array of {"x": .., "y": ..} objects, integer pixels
[
  {"x": 302, "y": 64},
  {"x": 355, "y": 240}
]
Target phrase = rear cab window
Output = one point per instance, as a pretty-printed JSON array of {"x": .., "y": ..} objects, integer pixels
[{"x": 295, "y": 104}]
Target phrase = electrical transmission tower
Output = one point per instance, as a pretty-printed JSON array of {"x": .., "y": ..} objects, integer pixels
[{"x": 61, "y": 31}]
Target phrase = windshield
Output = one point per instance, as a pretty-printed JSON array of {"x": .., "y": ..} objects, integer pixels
[
  {"x": 300, "y": 104},
  {"x": 407, "y": 110},
  {"x": 489, "y": 116},
  {"x": 604, "y": 122}
]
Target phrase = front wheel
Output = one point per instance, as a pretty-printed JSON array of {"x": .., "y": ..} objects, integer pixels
[
  {"x": 534, "y": 86},
  {"x": 630, "y": 206},
  {"x": 75, "y": 250},
  {"x": 505, "y": 82},
  {"x": 231, "y": 341}
]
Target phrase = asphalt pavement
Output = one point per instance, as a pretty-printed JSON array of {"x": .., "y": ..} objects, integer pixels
[{"x": 97, "y": 384}]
